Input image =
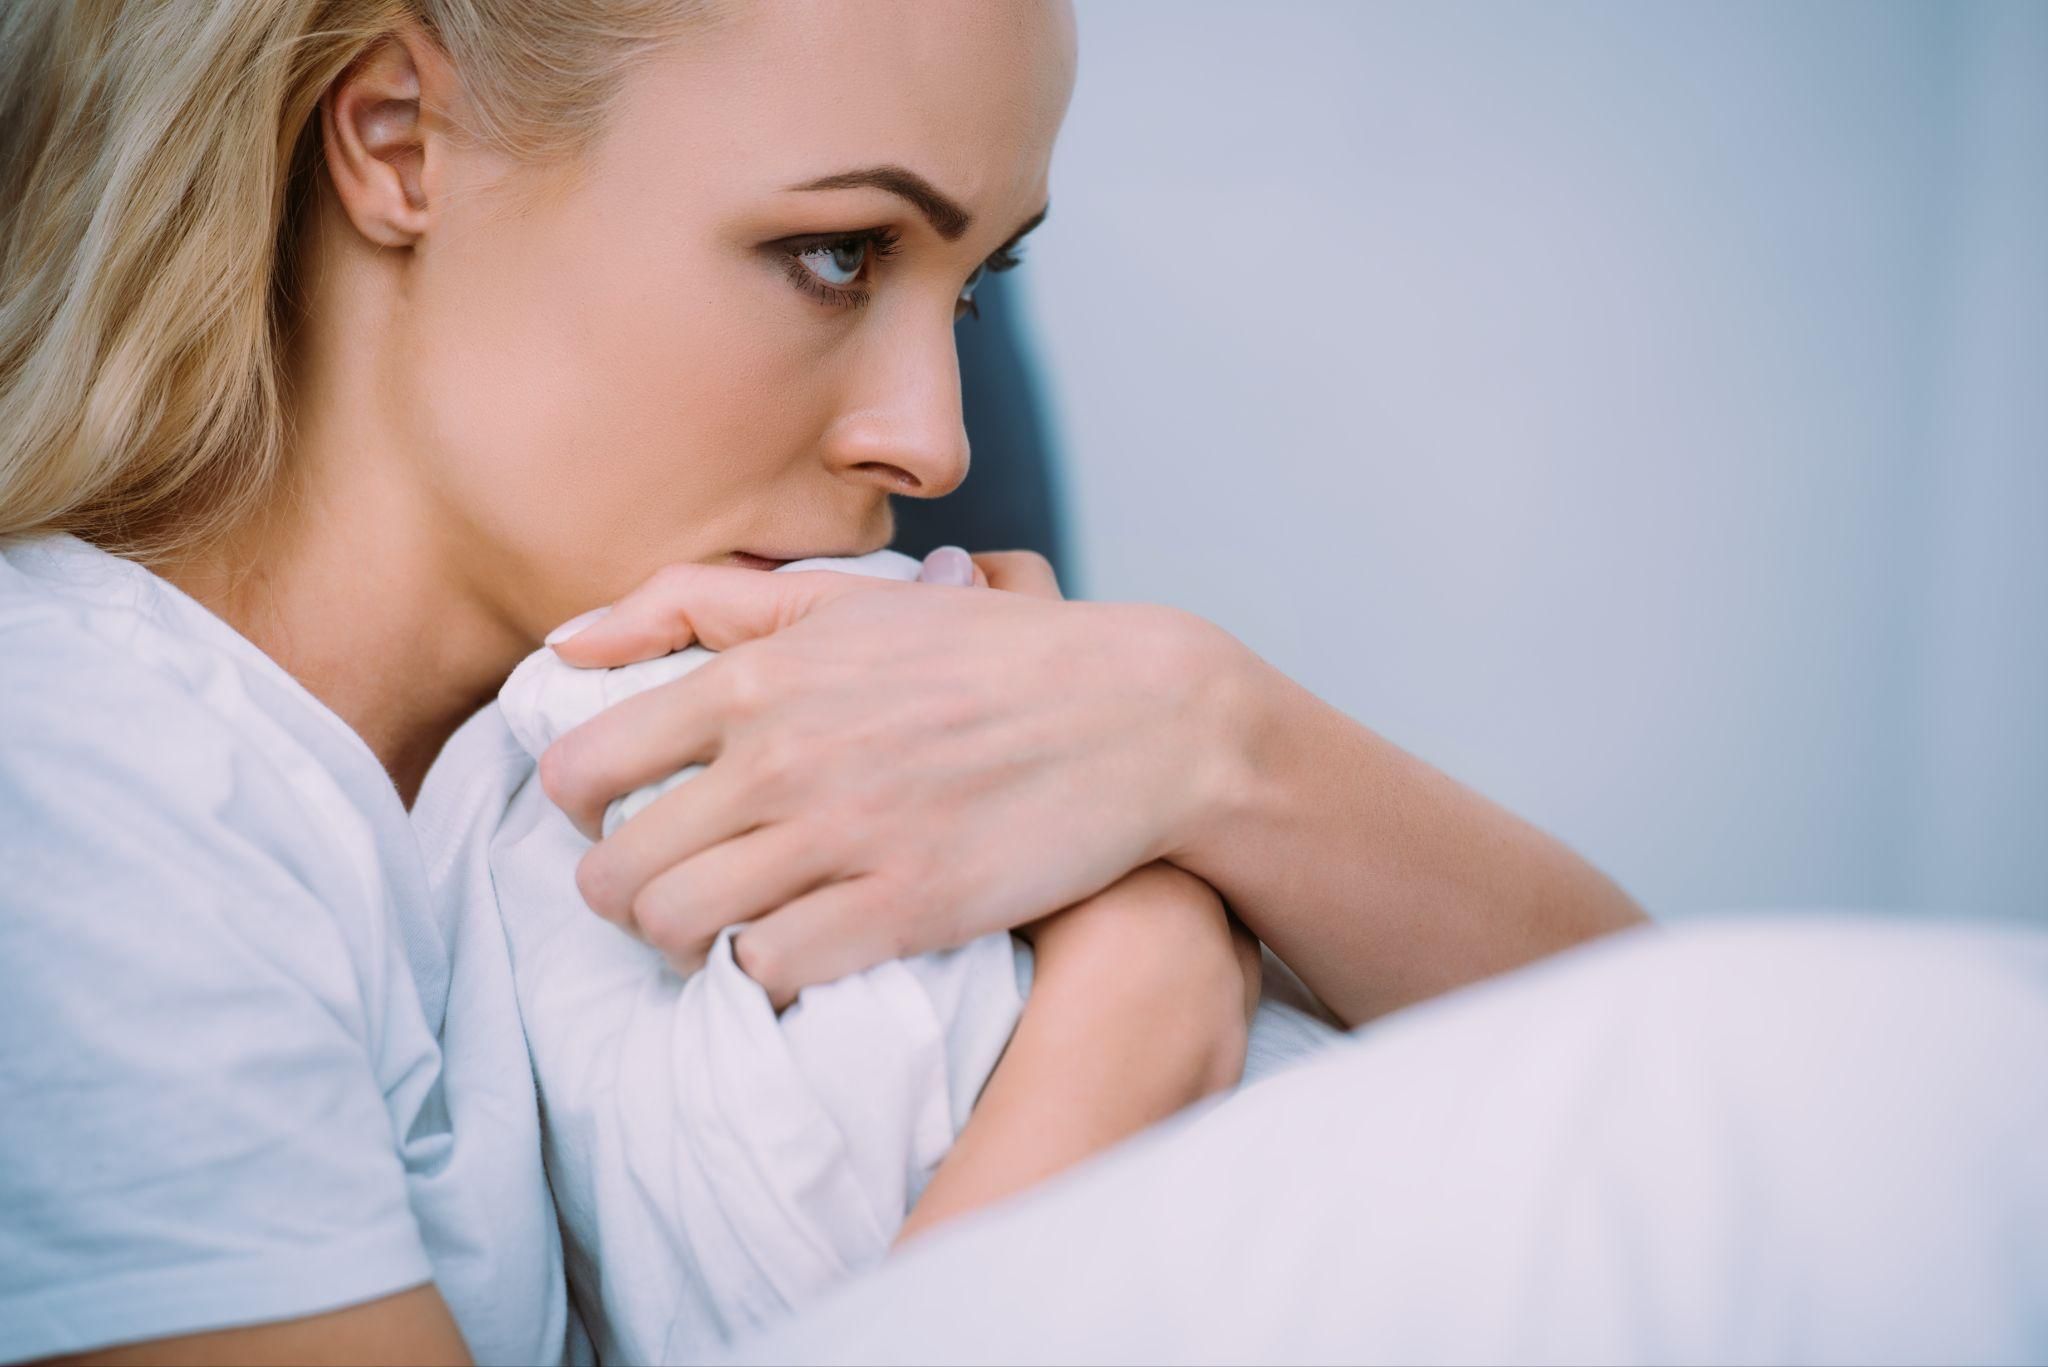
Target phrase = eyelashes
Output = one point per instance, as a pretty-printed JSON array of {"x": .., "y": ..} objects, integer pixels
[
  {"x": 818, "y": 259},
  {"x": 838, "y": 269},
  {"x": 1004, "y": 258},
  {"x": 813, "y": 261}
]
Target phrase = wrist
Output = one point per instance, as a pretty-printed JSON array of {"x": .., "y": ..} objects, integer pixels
[{"x": 1226, "y": 742}]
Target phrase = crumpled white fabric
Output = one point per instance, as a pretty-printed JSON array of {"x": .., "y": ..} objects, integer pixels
[{"x": 714, "y": 1164}]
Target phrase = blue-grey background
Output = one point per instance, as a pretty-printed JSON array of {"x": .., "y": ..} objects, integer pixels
[{"x": 1639, "y": 410}]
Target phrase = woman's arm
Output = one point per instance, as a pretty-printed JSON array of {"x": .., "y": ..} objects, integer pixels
[
  {"x": 1138, "y": 1008},
  {"x": 412, "y": 1327},
  {"x": 1023, "y": 753},
  {"x": 1378, "y": 879}
]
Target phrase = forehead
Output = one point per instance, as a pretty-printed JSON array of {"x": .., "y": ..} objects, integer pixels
[{"x": 967, "y": 93}]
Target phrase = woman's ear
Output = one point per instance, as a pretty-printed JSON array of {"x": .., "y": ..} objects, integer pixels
[{"x": 384, "y": 130}]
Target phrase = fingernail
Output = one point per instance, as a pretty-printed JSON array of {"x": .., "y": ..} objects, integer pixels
[
  {"x": 574, "y": 625},
  {"x": 948, "y": 565}
]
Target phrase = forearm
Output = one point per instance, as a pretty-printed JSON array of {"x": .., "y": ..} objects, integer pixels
[
  {"x": 1122, "y": 1029},
  {"x": 409, "y": 1326},
  {"x": 1378, "y": 879}
]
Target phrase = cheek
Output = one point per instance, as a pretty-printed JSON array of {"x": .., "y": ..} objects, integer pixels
[{"x": 591, "y": 414}]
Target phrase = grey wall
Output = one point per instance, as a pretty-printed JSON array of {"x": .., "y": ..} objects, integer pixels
[{"x": 1635, "y": 409}]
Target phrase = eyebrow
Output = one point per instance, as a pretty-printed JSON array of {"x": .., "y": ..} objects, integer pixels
[
  {"x": 947, "y": 218},
  {"x": 945, "y": 215}
]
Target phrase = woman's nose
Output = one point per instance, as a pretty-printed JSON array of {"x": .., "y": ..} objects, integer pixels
[{"x": 902, "y": 430}]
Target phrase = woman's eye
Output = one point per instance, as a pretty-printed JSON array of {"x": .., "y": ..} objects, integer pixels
[
  {"x": 838, "y": 264},
  {"x": 834, "y": 268}
]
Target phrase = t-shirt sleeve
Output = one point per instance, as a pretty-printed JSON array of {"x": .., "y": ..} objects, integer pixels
[{"x": 192, "y": 1130}]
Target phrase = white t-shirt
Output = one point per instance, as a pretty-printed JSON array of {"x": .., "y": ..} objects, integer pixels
[{"x": 251, "y": 1067}]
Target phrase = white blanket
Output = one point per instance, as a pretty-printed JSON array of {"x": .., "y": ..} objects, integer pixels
[{"x": 1795, "y": 1141}]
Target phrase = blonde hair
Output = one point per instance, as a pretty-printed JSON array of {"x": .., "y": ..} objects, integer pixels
[{"x": 156, "y": 158}]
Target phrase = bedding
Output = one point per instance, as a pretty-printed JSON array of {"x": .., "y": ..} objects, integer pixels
[{"x": 1810, "y": 1139}]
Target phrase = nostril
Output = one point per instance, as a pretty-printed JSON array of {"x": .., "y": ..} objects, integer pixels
[{"x": 895, "y": 474}]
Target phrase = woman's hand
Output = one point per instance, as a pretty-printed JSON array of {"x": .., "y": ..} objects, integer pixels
[
  {"x": 1140, "y": 1005},
  {"x": 892, "y": 767},
  {"x": 900, "y": 767}
]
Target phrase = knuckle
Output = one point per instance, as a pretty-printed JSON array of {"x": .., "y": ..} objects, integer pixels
[
  {"x": 758, "y": 958},
  {"x": 598, "y": 882},
  {"x": 744, "y": 687},
  {"x": 558, "y": 773},
  {"x": 572, "y": 777},
  {"x": 659, "y": 919}
]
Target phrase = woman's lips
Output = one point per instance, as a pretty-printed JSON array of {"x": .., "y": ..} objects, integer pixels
[
  {"x": 747, "y": 560},
  {"x": 754, "y": 560}
]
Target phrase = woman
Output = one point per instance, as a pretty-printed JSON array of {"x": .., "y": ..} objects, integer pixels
[{"x": 347, "y": 346}]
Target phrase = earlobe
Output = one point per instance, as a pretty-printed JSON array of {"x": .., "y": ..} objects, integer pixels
[{"x": 375, "y": 132}]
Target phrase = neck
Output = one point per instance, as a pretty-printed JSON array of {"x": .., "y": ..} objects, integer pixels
[
  {"x": 368, "y": 618},
  {"x": 358, "y": 586}
]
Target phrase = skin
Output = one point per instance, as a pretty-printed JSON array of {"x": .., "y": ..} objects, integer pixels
[{"x": 411, "y": 1327}]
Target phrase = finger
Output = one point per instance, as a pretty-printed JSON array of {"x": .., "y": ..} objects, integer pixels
[
  {"x": 681, "y": 911},
  {"x": 637, "y": 741},
  {"x": 948, "y": 565},
  {"x": 711, "y": 605},
  {"x": 1025, "y": 572},
  {"x": 679, "y": 825},
  {"x": 822, "y": 936},
  {"x": 1245, "y": 946}
]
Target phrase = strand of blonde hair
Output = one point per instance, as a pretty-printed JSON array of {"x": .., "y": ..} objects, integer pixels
[{"x": 156, "y": 157}]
